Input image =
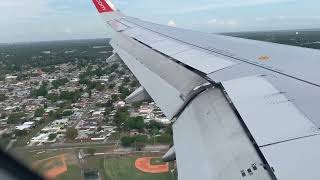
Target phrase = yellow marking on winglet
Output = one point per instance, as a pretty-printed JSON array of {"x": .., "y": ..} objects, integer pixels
[{"x": 264, "y": 58}]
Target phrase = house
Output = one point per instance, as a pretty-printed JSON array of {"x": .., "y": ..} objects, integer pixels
[
  {"x": 25, "y": 126},
  {"x": 121, "y": 104},
  {"x": 63, "y": 121}
]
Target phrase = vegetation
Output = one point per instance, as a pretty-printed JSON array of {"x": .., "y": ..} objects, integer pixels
[
  {"x": 165, "y": 139},
  {"x": 91, "y": 151},
  {"x": 127, "y": 141},
  {"x": 15, "y": 118},
  {"x": 100, "y": 87},
  {"x": 124, "y": 92},
  {"x": 74, "y": 172},
  {"x": 52, "y": 136},
  {"x": 59, "y": 82},
  {"x": 71, "y": 133},
  {"x": 39, "y": 112},
  {"x": 114, "y": 97},
  {"x": 67, "y": 113},
  {"x": 66, "y": 95},
  {"x": 3, "y": 97},
  {"x": 41, "y": 91},
  {"x": 155, "y": 125},
  {"x": 19, "y": 133},
  {"x": 135, "y": 123},
  {"x": 137, "y": 104},
  {"x": 123, "y": 168},
  {"x": 121, "y": 116},
  {"x": 24, "y": 56},
  {"x": 4, "y": 140}
]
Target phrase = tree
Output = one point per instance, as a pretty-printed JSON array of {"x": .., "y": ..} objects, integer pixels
[
  {"x": 111, "y": 78},
  {"x": 111, "y": 86},
  {"x": 100, "y": 87},
  {"x": 140, "y": 138},
  {"x": 126, "y": 79},
  {"x": 3, "y": 115},
  {"x": 51, "y": 114},
  {"x": 15, "y": 118},
  {"x": 52, "y": 136},
  {"x": 42, "y": 91},
  {"x": 66, "y": 95},
  {"x": 114, "y": 97},
  {"x": 98, "y": 72},
  {"x": 137, "y": 104},
  {"x": 39, "y": 112},
  {"x": 155, "y": 125},
  {"x": 154, "y": 131},
  {"x": 91, "y": 151},
  {"x": 126, "y": 141},
  {"x": 71, "y": 133},
  {"x": 19, "y": 133},
  {"x": 84, "y": 80},
  {"x": 2, "y": 77},
  {"x": 59, "y": 82},
  {"x": 139, "y": 145},
  {"x": 121, "y": 116},
  {"x": 134, "y": 83},
  {"x": 53, "y": 97},
  {"x": 67, "y": 113},
  {"x": 124, "y": 92},
  {"x": 114, "y": 66},
  {"x": 3, "y": 97},
  {"x": 135, "y": 123},
  {"x": 165, "y": 138}
]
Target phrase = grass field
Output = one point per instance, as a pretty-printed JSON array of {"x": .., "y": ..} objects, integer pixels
[
  {"x": 123, "y": 168},
  {"x": 110, "y": 167},
  {"x": 73, "y": 173}
]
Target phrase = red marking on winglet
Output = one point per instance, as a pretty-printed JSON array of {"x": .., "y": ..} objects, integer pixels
[{"x": 102, "y": 6}]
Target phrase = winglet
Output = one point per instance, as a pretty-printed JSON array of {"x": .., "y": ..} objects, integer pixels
[{"x": 103, "y": 6}]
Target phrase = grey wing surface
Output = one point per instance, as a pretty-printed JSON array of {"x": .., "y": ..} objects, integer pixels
[{"x": 241, "y": 109}]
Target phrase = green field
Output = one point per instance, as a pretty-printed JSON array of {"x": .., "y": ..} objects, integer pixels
[
  {"x": 110, "y": 167},
  {"x": 73, "y": 173},
  {"x": 123, "y": 168}
]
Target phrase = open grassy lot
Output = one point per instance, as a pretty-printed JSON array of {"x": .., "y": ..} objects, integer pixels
[
  {"x": 73, "y": 173},
  {"x": 111, "y": 167},
  {"x": 45, "y": 162},
  {"x": 122, "y": 168}
]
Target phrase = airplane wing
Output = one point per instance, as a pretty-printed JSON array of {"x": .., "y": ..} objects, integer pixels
[{"x": 241, "y": 109}]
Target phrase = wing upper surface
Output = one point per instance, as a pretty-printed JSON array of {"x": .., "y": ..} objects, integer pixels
[{"x": 274, "y": 89}]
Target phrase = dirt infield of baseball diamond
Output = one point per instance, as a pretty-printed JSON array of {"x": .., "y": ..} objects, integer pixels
[{"x": 144, "y": 165}]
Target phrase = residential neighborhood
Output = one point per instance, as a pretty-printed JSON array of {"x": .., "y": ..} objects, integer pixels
[{"x": 76, "y": 101}]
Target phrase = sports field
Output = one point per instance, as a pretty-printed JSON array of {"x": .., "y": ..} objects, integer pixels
[
  {"x": 122, "y": 168},
  {"x": 64, "y": 165}
]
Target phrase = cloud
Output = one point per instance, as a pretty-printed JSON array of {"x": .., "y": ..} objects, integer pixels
[
  {"x": 68, "y": 30},
  {"x": 228, "y": 22},
  {"x": 205, "y": 5},
  {"x": 21, "y": 10},
  {"x": 212, "y": 21},
  {"x": 172, "y": 23}
]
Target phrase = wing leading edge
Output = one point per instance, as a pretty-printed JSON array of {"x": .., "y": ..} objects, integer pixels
[{"x": 258, "y": 111}]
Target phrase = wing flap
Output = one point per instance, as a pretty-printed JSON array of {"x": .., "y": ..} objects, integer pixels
[
  {"x": 268, "y": 114},
  {"x": 295, "y": 160}
]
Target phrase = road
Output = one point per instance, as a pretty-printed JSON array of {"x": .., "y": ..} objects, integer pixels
[{"x": 70, "y": 145}]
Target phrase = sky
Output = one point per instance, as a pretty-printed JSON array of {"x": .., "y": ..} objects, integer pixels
[{"x": 45, "y": 20}]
